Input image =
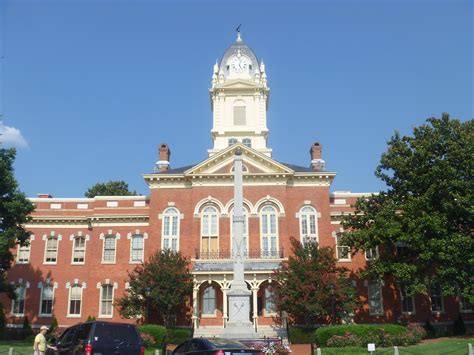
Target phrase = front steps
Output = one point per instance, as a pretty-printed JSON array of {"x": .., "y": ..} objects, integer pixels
[{"x": 264, "y": 331}]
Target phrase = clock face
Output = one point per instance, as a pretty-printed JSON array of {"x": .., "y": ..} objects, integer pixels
[{"x": 238, "y": 64}]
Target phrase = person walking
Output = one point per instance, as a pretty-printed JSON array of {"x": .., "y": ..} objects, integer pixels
[{"x": 40, "y": 341}]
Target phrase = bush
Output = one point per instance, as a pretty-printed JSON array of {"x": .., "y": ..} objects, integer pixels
[
  {"x": 157, "y": 332},
  {"x": 430, "y": 330},
  {"x": 459, "y": 328},
  {"x": 302, "y": 335},
  {"x": 178, "y": 335},
  {"x": 360, "y": 335},
  {"x": 90, "y": 318},
  {"x": 27, "y": 331}
]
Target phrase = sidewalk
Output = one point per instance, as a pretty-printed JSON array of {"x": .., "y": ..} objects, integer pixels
[{"x": 300, "y": 349}]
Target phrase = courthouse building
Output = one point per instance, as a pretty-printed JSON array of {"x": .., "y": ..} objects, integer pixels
[{"x": 82, "y": 248}]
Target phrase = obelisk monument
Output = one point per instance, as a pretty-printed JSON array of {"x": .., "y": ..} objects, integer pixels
[{"x": 239, "y": 324}]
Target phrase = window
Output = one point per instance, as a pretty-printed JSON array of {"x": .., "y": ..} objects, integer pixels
[
  {"x": 51, "y": 254},
  {"x": 239, "y": 115},
  {"x": 75, "y": 300},
  {"x": 408, "y": 302},
  {"x": 209, "y": 232},
  {"x": 247, "y": 142},
  {"x": 23, "y": 256},
  {"x": 375, "y": 298},
  {"x": 136, "y": 254},
  {"x": 46, "y": 303},
  {"x": 464, "y": 303},
  {"x": 436, "y": 298},
  {"x": 171, "y": 229},
  {"x": 18, "y": 305},
  {"x": 108, "y": 255},
  {"x": 232, "y": 141},
  {"x": 245, "y": 232},
  {"x": 402, "y": 249},
  {"x": 269, "y": 301},
  {"x": 269, "y": 231},
  {"x": 308, "y": 228},
  {"x": 343, "y": 251},
  {"x": 372, "y": 253},
  {"x": 209, "y": 301},
  {"x": 79, "y": 250},
  {"x": 106, "y": 298}
]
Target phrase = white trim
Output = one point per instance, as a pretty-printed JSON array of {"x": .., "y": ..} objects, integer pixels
[
  {"x": 26, "y": 286},
  {"x": 41, "y": 285},
  {"x": 335, "y": 236},
  {"x": 209, "y": 200},
  {"x": 408, "y": 313},
  {"x": 30, "y": 239},
  {"x": 379, "y": 284},
  {"x": 247, "y": 204},
  {"x": 269, "y": 234},
  {"x": 70, "y": 286},
  {"x": 114, "y": 287},
  {"x": 376, "y": 254},
  {"x": 269, "y": 199},
  {"x": 308, "y": 215},
  {"x": 201, "y": 225}
]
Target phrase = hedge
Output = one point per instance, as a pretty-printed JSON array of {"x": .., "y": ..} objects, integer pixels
[
  {"x": 178, "y": 335},
  {"x": 152, "y": 334},
  {"x": 361, "y": 334},
  {"x": 302, "y": 335}
]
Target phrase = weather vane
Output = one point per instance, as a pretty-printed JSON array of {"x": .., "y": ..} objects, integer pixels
[{"x": 238, "y": 28}]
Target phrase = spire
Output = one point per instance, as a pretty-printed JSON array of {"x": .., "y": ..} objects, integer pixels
[{"x": 239, "y": 39}]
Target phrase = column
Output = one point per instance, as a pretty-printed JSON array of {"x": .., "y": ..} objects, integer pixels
[
  {"x": 224, "y": 305},
  {"x": 195, "y": 316},
  {"x": 255, "y": 307}
]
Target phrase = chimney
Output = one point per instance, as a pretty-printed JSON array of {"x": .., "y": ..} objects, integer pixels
[
  {"x": 163, "y": 162},
  {"x": 317, "y": 163},
  {"x": 44, "y": 196}
]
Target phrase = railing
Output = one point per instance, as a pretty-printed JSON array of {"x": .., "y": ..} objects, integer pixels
[{"x": 248, "y": 254}]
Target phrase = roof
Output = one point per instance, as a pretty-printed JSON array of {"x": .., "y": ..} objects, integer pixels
[{"x": 239, "y": 46}]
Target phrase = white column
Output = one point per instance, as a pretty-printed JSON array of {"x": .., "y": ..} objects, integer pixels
[
  {"x": 224, "y": 305},
  {"x": 255, "y": 306},
  {"x": 195, "y": 316}
]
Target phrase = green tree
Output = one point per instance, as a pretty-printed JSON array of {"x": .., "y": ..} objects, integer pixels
[
  {"x": 167, "y": 278},
  {"x": 311, "y": 285},
  {"x": 15, "y": 209},
  {"x": 109, "y": 188},
  {"x": 423, "y": 223}
]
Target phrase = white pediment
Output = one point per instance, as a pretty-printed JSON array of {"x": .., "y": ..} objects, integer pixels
[
  {"x": 254, "y": 163},
  {"x": 238, "y": 84}
]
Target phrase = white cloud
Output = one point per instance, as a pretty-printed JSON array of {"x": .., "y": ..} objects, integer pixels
[{"x": 11, "y": 137}]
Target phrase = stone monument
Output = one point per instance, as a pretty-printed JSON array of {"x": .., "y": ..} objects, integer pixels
[{"x": 239, "y": 325}]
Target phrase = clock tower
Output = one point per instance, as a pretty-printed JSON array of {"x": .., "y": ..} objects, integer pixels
[{"x": 239, "y": 100}]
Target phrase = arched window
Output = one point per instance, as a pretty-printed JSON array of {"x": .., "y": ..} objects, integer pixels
[
  {"x": 136, "y": 248},
  {"x": 247, "y": 142},
  {"x": 108, "y": 254},
  {"x": 308, "y": 225},
  {"x": 269, "y": 231},
  {"x": 51, "y": 250},
  {"x": 245, "y": 234},
  {"x": 209, "y": 301},
  {"x": 170, "y": 232},
  {"x": 232, "y": 141},
  {"x": 209, "y": 232},
  {"x": 79, "y": 250}
]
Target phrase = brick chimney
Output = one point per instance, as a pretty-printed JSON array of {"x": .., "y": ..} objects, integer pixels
[
  {"x": 317, "y": 163},
  {"x": 44, "y": 196},
  {"x": 164, "y": 154}
]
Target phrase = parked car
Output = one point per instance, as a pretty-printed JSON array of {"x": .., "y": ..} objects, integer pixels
[
  {"x": 214, "y": 346},
  {"x": 98, "y": 337}
]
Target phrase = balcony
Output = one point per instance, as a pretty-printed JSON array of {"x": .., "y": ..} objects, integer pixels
[{"x": 255, "y": 259}]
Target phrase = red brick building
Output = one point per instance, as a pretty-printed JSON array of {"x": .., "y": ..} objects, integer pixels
[{"x": 81, "y": 248}]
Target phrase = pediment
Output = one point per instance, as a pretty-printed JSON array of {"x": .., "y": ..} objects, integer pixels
[
  {"x": 238, "y": 84},
  {"x": 254, "y": 162}
]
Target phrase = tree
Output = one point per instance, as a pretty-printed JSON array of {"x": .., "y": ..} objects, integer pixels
[
  {"x": 311, "y": 286},
  {"x": 15, "y": 209},
  {"x": 109, "y": 188},
  {"x": 167, "y": 278},
  {"x": 423, "y": 223}
]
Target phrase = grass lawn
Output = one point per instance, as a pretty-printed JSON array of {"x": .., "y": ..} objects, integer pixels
[
  {"x": 25, "y": 347},
  {"x": 451, "y": 346}
]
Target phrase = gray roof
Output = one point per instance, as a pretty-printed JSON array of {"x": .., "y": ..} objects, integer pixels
[{"x": 244, "y": 50}]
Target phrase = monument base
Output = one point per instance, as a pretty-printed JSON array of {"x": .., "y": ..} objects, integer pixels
[{"x": 239, "y": 326}]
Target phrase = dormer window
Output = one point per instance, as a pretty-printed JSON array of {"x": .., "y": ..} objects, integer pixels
[
  {"x": 232, "y": 141},
  {"x": 247, "y": 142}
]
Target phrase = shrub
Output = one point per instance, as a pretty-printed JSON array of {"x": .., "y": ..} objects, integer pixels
[
  {"x": 459, "y": 328},
  {"x": 178, "y": 335},
  {"x": 302, "y": 335},
  {"x": 27, "y": 331},
  {"x": 360, "y": 335},
  {"x": 158, "y": 333},
  {"x": 90, "y": 318},
  {"x": 430, "y": 330}
]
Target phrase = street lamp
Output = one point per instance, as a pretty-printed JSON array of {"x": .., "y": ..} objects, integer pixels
[
  {"x": 147, "y": 294},
  {"x": 332, "y": 288}
]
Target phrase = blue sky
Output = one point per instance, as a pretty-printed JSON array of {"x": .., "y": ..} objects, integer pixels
[{"x": 90, "y": 88}]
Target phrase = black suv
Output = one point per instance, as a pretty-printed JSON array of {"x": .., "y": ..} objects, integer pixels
[{"x": 99, "y": 338}]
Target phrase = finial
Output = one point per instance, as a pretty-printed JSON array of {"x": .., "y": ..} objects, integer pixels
[
  {"x": 239, "y": 39},
  {"x": 238, "y": 151}
]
